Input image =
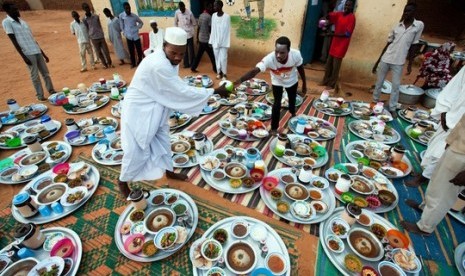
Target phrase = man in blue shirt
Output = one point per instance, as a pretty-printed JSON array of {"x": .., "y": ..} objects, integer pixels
[{"x": 130, "y": 24}]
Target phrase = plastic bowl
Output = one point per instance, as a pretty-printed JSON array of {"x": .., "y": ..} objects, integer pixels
[
  {"x": 63, "y": 248},
  {"x": 15, "y": 142},
  {"x": 62, "y": 168},
  {"x": 72, "y": 134}
]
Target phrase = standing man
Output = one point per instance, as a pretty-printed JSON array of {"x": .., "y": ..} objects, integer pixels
[
  {"x": 344, "y": 23},
  {"x": 261, "y": 12},
  {"x": 27, "y": 47},
  {"x": 155, "y": 91},
  {"x": 114, "y": 33},
  {"x": 447, "y": 181},
  {"x": 92, "y": 22},
  {"x": 283, "y": 63},
  {"x": 130, "y": 24},
  {"x": 449, "y": 109},
  {"x": 203, "y": 36},
  {"x": 402, "y": 37},
  {"x": 155, "y": 38},
  {"x": 79, "y": 29},
  {"x": 184, "y": 19},
  {"x": 220, "y": 39}
]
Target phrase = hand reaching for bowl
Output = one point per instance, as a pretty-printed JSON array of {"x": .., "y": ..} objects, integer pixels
[
  {"x": 459, "y": 179},
  {"x": 222, "y": 91}
]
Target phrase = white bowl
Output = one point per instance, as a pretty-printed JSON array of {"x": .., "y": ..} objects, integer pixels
[
  {"x": 322, "y": 180},
  {"x": 241, "y": 222},
  {"x": 16, "y": 267},
  {"x": 204, "y": 247},
  {"x": 393, "y": 265},
  {"x": 28, "y": 171},
  {"x": 158, "y": 238},
  {"x": 416, "y": 260},
  {"x": 370, "y": 236},
  {"x": 47, "y": 191},
  {"x": 281, "y": 256},
  {"x": 339, "y": 242},
  {"x": 255, "y": 256},
  {"x": 71, "y": 191}
]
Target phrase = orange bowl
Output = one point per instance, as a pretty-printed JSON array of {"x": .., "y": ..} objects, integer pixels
[{"x": 397, "y": 239}]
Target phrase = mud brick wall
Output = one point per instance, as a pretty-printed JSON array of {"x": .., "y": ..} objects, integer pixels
[
  {"x": 21, "y": 4},
  {"x": 65, "y": 4}
]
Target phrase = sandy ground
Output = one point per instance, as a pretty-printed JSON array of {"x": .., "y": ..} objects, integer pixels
[{"x": 51, "y": 30}]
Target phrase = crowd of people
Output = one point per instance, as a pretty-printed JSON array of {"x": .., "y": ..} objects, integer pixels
[{"x": 156, "y": 88}]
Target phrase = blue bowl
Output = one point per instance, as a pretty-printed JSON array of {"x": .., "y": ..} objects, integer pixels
[
  {"x": 72, "y": 134},
  {"x": 261, "y": 271}
]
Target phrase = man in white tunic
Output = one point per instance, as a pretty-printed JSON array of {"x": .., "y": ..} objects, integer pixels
[
  {"x": 79, "y": 29},
  {"x": 220, "y": 38},
  {"x": 450, "y": 106},
  {"x": 155, "y": 38},
  {"x": 155, "y": 91},
  {"x": 114, "y": 33}
]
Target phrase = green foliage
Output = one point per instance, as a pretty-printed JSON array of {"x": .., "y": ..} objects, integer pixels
[{"x": 250, "y": 29}]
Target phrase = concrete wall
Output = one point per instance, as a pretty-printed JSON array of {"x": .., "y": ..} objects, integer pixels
[{"x": 374, "y": 21}]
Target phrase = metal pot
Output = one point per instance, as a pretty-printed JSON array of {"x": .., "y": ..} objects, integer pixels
[
  {"x": 432, "y": 46},
  {"x": 429, "y": 99},
  {"x": 410, "y": 94}
]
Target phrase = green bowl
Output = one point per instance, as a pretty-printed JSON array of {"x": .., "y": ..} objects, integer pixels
[{"x": 15, "y": 142}]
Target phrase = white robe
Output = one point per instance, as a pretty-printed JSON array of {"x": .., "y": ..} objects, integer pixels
[
  {"x": 155, "y": 91},
  {"x": 156, "y": 42},
  {"x": 114, "y": 33},
  {"x": 452, "y": 101},
  {"x": 220, "y": 36}
]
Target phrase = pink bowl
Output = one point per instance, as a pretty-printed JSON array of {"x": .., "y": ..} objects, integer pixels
[
  {"x": 62, "y": 168},
  {"x": 257, "y": 174},
  {"x": 270, "y": 182},
  {"x": 63, "y": 248},
  {"x": 129, "y": 241}
]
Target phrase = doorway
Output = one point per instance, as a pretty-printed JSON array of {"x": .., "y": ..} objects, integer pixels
[{"x": 117, "y": 6}]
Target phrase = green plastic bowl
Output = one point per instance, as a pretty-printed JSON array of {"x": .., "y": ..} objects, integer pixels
[{"x": 13, "y": 143}]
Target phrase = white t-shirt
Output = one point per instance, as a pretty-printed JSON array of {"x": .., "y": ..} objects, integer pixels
[{"x": 284, "y": 75}]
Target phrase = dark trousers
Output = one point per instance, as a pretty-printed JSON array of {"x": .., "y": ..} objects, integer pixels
[
  {"x": 278, "y": 95},
  {"x": 202, "y": 48},
  {"x": 333, "y": 65},
  {"x": 135, "y": 44},
  {"x": 189, "y": 55},
  {"x": 101, "y": 47}
]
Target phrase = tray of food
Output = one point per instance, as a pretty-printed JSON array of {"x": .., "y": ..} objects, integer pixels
[
  {"x": 178, "y": 120},
  {"x": 333, "y": 106},
  {"x": 116, "y": 110},
  {"x": 374, "y": 130},
  {"x": 15, "y": 137},
  {"x": 289, "y": 199},
  {"x": 25, "y": 164},
  {"x": 49, "y": 251},
  {"x": 298, "y": 150},
  {"x": 365, "y": 187},
  {"x": 240, "y": 246},
  {"x": 56, "y": 193},
  {"x": 86, "y": 103},
  {"x": 258, "y": 110},
  {"x": 233, "y": 99},
  {"x": 243, "y": 129},
  {"x": 363, "y": 110},
  {"x": 285, "y": 100},
  {"x": 254, "y": 87},
  {"x": 108, "y": 153},
  {"x": 91, "y": 131},
  {"x": 369, "y": 245},
  {"x": 233, "y": 170},
  {"x": 413, "y": 114},
  {"x": 23, "y": 114},
  {"x": 380, "y": 157},
  {"x": 212, "y": 106},
  {"x": 188, "y": 147},
  {"x": 315, "y": 128},
  {"x": 421, "y": 134},
  {"x": 157, "y": 226},
  {"x": 104, "y": 86},
  {"x": 199, "y": 81}
]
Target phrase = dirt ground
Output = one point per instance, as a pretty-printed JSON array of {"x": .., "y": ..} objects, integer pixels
[{"x": 51, "y": 30}]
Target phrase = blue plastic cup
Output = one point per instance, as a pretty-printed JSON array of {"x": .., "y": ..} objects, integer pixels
[
  {"x": 45, "y": 210},
  {"x": 57, "y": 207},
  {"x": 24, "y": 253}
]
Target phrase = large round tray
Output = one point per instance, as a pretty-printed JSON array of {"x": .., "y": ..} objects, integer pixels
[
  {"x": 94, "y": 177},
  {"x": 273, "y": 242},
  {"x": 107, "y": 157},
  {"x": 208, "y": 148},
  {"x": 351, "y": 146},
  {"x": 178, "y": 125},
  {"x": 338, "y": 259},
  {"x": 23, "y": 132},
  {"x": 323, "y": 108},
  {"x": 116, "y": 110},
  {"x": 83, "y": 123},
  {"x": 256, "y": 105},
  {"x": 328, "y": 198},
  {"x": 240, "y": 97},
  {"x": 190, "y": 80},
  {"x": 65, "y": 147},
  {"x": 460, "y": 216},
  {"x": 381, "y": 209},
  {"x": 322, "y": 124},
  {"x": 223, "y": 185},
  {"x": 161, "y": 254},
  {"x": 105, "y": 99},
  {"x": 407, "y": 131},
  {"x": 420, "y": 114},
  {"x": 320, "y": 162},
  {"x": 459, "y": 256},
  {"x": 357, "y": 105},
  {"x": 97, "y": 87},
  {"x": 250, "y": 137},
  {"x": 253, "y": 87},
  {"x": 394, "y": 139},
  {"x": 40, "y": 254},
  {"x": 284, "y": 103},
  {"x": 39, "y": 107}
]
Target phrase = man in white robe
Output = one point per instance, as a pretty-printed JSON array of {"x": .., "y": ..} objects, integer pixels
[
  {"x": 450, "y": 106},
  {"x": 155, "y": 91},
  {"x": 114, "y": 33},
  {"x": 220, "y": 38},
  {"x": 155, "y": 38}
]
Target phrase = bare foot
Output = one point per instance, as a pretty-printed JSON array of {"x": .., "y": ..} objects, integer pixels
[
  {"x": 124, "y": 188},
  {"x": 413, "y": 228},
  {"x": 413, "y": 204},
  {"x": 416, "y": 181},
  {"x": 177, "y": 176}
]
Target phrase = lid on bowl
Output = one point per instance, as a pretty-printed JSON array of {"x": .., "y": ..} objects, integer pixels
[
  {"x": 410, "y": 89},
  {"x": 108, "y": 129},
  {"x": 69, "y": 121},
  {"x": 45, "y": 119},
  {"x": 11, "y": 101},
  {"x": 353, "y": 210},
  {"x": 433, "y": 92},
  {"x": 25, "y": 231},
  {"x": 28, "y": 140},
  {"x": 136, "y": 195},
  {"x": 20, "y": 199}
]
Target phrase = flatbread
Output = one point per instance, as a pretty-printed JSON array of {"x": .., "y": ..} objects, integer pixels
[{"x": 182, "y": 234}]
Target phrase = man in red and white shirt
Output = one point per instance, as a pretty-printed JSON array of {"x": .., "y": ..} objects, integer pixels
[
  {"x": 344, "y": 23},
  {"x": 284, "y": 63}
]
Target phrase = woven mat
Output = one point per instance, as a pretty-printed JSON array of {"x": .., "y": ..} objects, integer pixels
[
  {"x": 95, "y": 224},
  {"x": 436, "y": 251}
]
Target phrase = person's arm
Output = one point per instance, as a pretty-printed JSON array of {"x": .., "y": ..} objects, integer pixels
[
  {"x": 140, "y": 23},
  {"x": 390, "y": 40},
  {"x": 44, "y": 55},
  {"x": 301, "y": 71},
  {"x": 176, "y": 19},
  {"x": 121, "y": 23},
  {"x": 193, "y": 20},
  {"x": 71, "y": 28},
  {"x": 413, "y": 50},
  {"x": 247, "y": 76}
]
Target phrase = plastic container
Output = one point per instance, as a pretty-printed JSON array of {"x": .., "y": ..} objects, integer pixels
[
  {"x": 12, "y": 104},
  {"x": 48, "y": 123}
]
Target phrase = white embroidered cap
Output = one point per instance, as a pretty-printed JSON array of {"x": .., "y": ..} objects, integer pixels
[
  {"x": 176, "y": 36},
  {"x": 153, "y": 21}
]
